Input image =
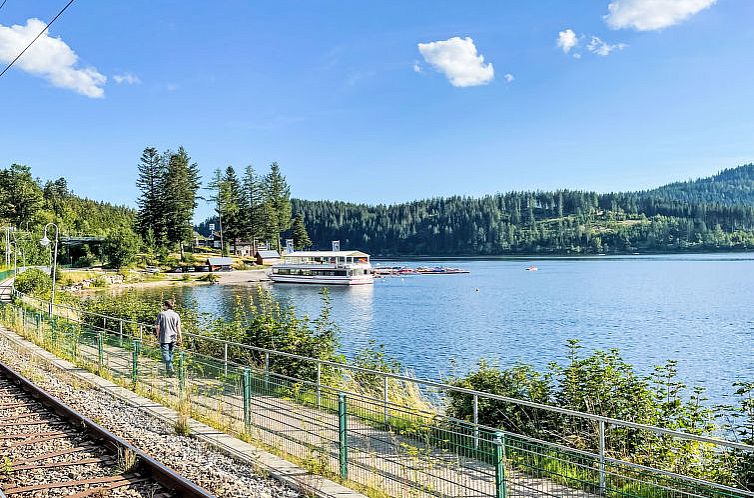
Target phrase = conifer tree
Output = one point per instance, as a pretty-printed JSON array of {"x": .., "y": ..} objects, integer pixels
[
  {"x": 151, "y": 216},
  {"x": 182, "y": 183},
  {"x": 277, "y": 204},
  {"x": 301, "y": 238},
  {"x": 251, "y": 212},
  {"x": 232, "y": 205}
]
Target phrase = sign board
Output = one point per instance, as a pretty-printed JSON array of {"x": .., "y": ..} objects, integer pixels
[
  {"x": 288, "y": 245},
  {"x": 212, "y": 226},
  {"x": 336, "y": 245}
]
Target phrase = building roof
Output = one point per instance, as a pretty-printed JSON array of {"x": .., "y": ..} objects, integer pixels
[
  {"x": 217, "y": 261},
  {"x": 328, "y": 254},
  {"x": 268, "y": 254}
]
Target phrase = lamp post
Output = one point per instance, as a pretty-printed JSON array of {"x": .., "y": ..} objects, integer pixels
[{"x": 45, "y": 241}]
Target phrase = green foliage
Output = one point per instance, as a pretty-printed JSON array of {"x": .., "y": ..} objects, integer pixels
[
  {"x": 300, "y": 236},
  {"x": 169, "y": 184},
  {"x": 121, "y": 247},
  {"x": 603, "y": 384},
  {"x": 270, "y": 324},
  {"x": 277, "y": 204},
  {"x": 33, "y": 282},
  {"x": 21, "y": 197},
  {"x": 151, "y": 218},
  {"x": 210, "y": 277},
  {"x": 710, "y": 214},
  {"x": 182, "y": 183}
]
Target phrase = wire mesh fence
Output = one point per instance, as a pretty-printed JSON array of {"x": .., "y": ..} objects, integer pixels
[{"x": 371, "y": 437}]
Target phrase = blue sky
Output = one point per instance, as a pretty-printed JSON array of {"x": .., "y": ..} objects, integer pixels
[{"x": 342, "y": 95}]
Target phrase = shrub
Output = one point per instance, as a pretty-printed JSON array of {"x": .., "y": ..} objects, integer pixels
[{"x": 34, "y": 282}]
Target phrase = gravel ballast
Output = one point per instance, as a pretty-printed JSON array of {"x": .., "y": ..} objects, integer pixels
[{"x": 208, "y": 468}]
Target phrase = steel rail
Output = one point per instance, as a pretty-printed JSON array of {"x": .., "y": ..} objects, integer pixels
[{"x": 164, "y": 475}]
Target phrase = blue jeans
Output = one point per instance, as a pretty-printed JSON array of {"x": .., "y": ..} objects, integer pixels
[{"x": 167, "y": 356}]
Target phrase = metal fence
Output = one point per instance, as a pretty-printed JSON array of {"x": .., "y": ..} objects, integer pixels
[{"x": 381, "y": 439}]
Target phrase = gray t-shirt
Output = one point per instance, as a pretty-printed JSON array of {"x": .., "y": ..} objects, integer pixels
[{"x": 168, "y": 321}]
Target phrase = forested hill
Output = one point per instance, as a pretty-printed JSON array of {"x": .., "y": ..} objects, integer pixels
[
  {"x": 26, "y": 201},
  {"x": 730, "y": 186},
  {"x": 710, "y": 214}
]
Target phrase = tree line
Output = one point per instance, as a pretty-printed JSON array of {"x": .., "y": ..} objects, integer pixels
[
  {"x": 669, "y": 219},
  {"x": 253, "y": 208}
]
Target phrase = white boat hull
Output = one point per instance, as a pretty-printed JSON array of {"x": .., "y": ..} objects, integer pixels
[{"x": 321, "y": 279}]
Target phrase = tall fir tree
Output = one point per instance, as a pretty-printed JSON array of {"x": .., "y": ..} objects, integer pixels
[
  {"x": 300, "y": 236},
  {"x": 232, "y": 217},
  {"x": 277, "y": 204},
  {"x": 182, "y": 182},
  {"x": 151, "y": 215},
  {"x": 251, "y": 212}
]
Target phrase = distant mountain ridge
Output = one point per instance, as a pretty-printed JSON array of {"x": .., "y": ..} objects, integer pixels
[
  {"x": 707, "y": 214},
  {"x": 729, "y": 187}
]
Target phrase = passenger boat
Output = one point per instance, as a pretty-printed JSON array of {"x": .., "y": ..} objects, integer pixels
[{"x": 324, "y": 267}]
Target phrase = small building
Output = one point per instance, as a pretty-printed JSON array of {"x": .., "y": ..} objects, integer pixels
[
  {"x": 220, "y": 264},
  {"x": 199, "y": 239},
  {"x": 267, "y": 257},
  {"x": 242, "y": 248}
]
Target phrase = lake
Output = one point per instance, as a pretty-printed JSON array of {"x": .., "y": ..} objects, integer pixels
[{"x": 696, "y": 309}]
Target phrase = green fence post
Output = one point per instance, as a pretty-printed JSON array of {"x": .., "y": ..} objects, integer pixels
[
  {"x": 100, "y": 351},
  {"x": 343, "y": 436},
  {"x": 181, "y": 372},
  {"x": 135, "y": 362},
  {"x": 267, "y": 373},
  {"x": 246, "y": 386},
  {"x": 499, "y": 465},
  {"x": 39, "y": 326}
]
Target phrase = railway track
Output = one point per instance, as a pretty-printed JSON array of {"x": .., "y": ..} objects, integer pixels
[{"x": 47, "y": 449}]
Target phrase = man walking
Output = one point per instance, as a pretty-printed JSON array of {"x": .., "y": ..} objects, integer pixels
[{"x": 168, "y": 333}]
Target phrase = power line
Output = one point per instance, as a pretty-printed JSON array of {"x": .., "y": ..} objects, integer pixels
[
  {"x": 3, "y": 4},
  {"x": 36, "y": 37}
]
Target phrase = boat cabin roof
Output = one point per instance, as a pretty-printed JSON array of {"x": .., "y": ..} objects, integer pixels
[{"x": 327, "y": 254}]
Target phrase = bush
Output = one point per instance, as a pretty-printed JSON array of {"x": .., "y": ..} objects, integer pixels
[
  {"x": 121, "y": 247},
  {"x": 33, "y": 282}
]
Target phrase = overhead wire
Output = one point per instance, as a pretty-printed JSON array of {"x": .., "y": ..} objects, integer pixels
[{"x": 36, "y": 37}]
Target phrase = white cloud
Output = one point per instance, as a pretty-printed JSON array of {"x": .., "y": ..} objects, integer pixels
[
  {"x": 50, "y": 58},
  {"x": 458, "y": 60},
  {"x": 648, "y": 15},
  {"x": 577, "y": 56},
  {"x": 509, "y": 77},
  {"x": 417, "y": 67},
  {"x": 599, "y": 47},
  {"x": 567, "y": 40},
  {"x": 127, "y": 78}
]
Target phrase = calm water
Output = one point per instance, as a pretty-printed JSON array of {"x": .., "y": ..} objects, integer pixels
[{"x": 696, "y": 309}]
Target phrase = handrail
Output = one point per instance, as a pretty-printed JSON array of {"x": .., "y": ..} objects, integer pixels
[{"x": 442, "y": 386}]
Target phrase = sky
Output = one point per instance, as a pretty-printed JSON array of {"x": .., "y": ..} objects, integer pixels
[{"x": 383, "y": 101}]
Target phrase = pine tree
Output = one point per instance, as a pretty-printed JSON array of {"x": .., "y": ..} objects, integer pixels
[
  {"x": 301, "y": 238},
  {"x": 182, "y": 183},
  {"x": 251, "y": 211},
  {"x": 277, "y": 204},
  {"x": 151, "y": 216},
  {"x": 232, "y": 218}
]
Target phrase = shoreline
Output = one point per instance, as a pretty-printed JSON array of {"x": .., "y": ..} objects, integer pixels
[{"x": 236, "y": 277}]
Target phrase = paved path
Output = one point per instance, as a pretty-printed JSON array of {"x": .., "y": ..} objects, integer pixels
[{"x": 397, "y": 465}]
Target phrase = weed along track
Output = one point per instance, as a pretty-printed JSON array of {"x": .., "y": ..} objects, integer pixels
[{"x": 49, "y": 450}]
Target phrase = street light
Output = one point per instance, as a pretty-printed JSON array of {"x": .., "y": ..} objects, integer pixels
[{"x": 45, "y": 241}]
